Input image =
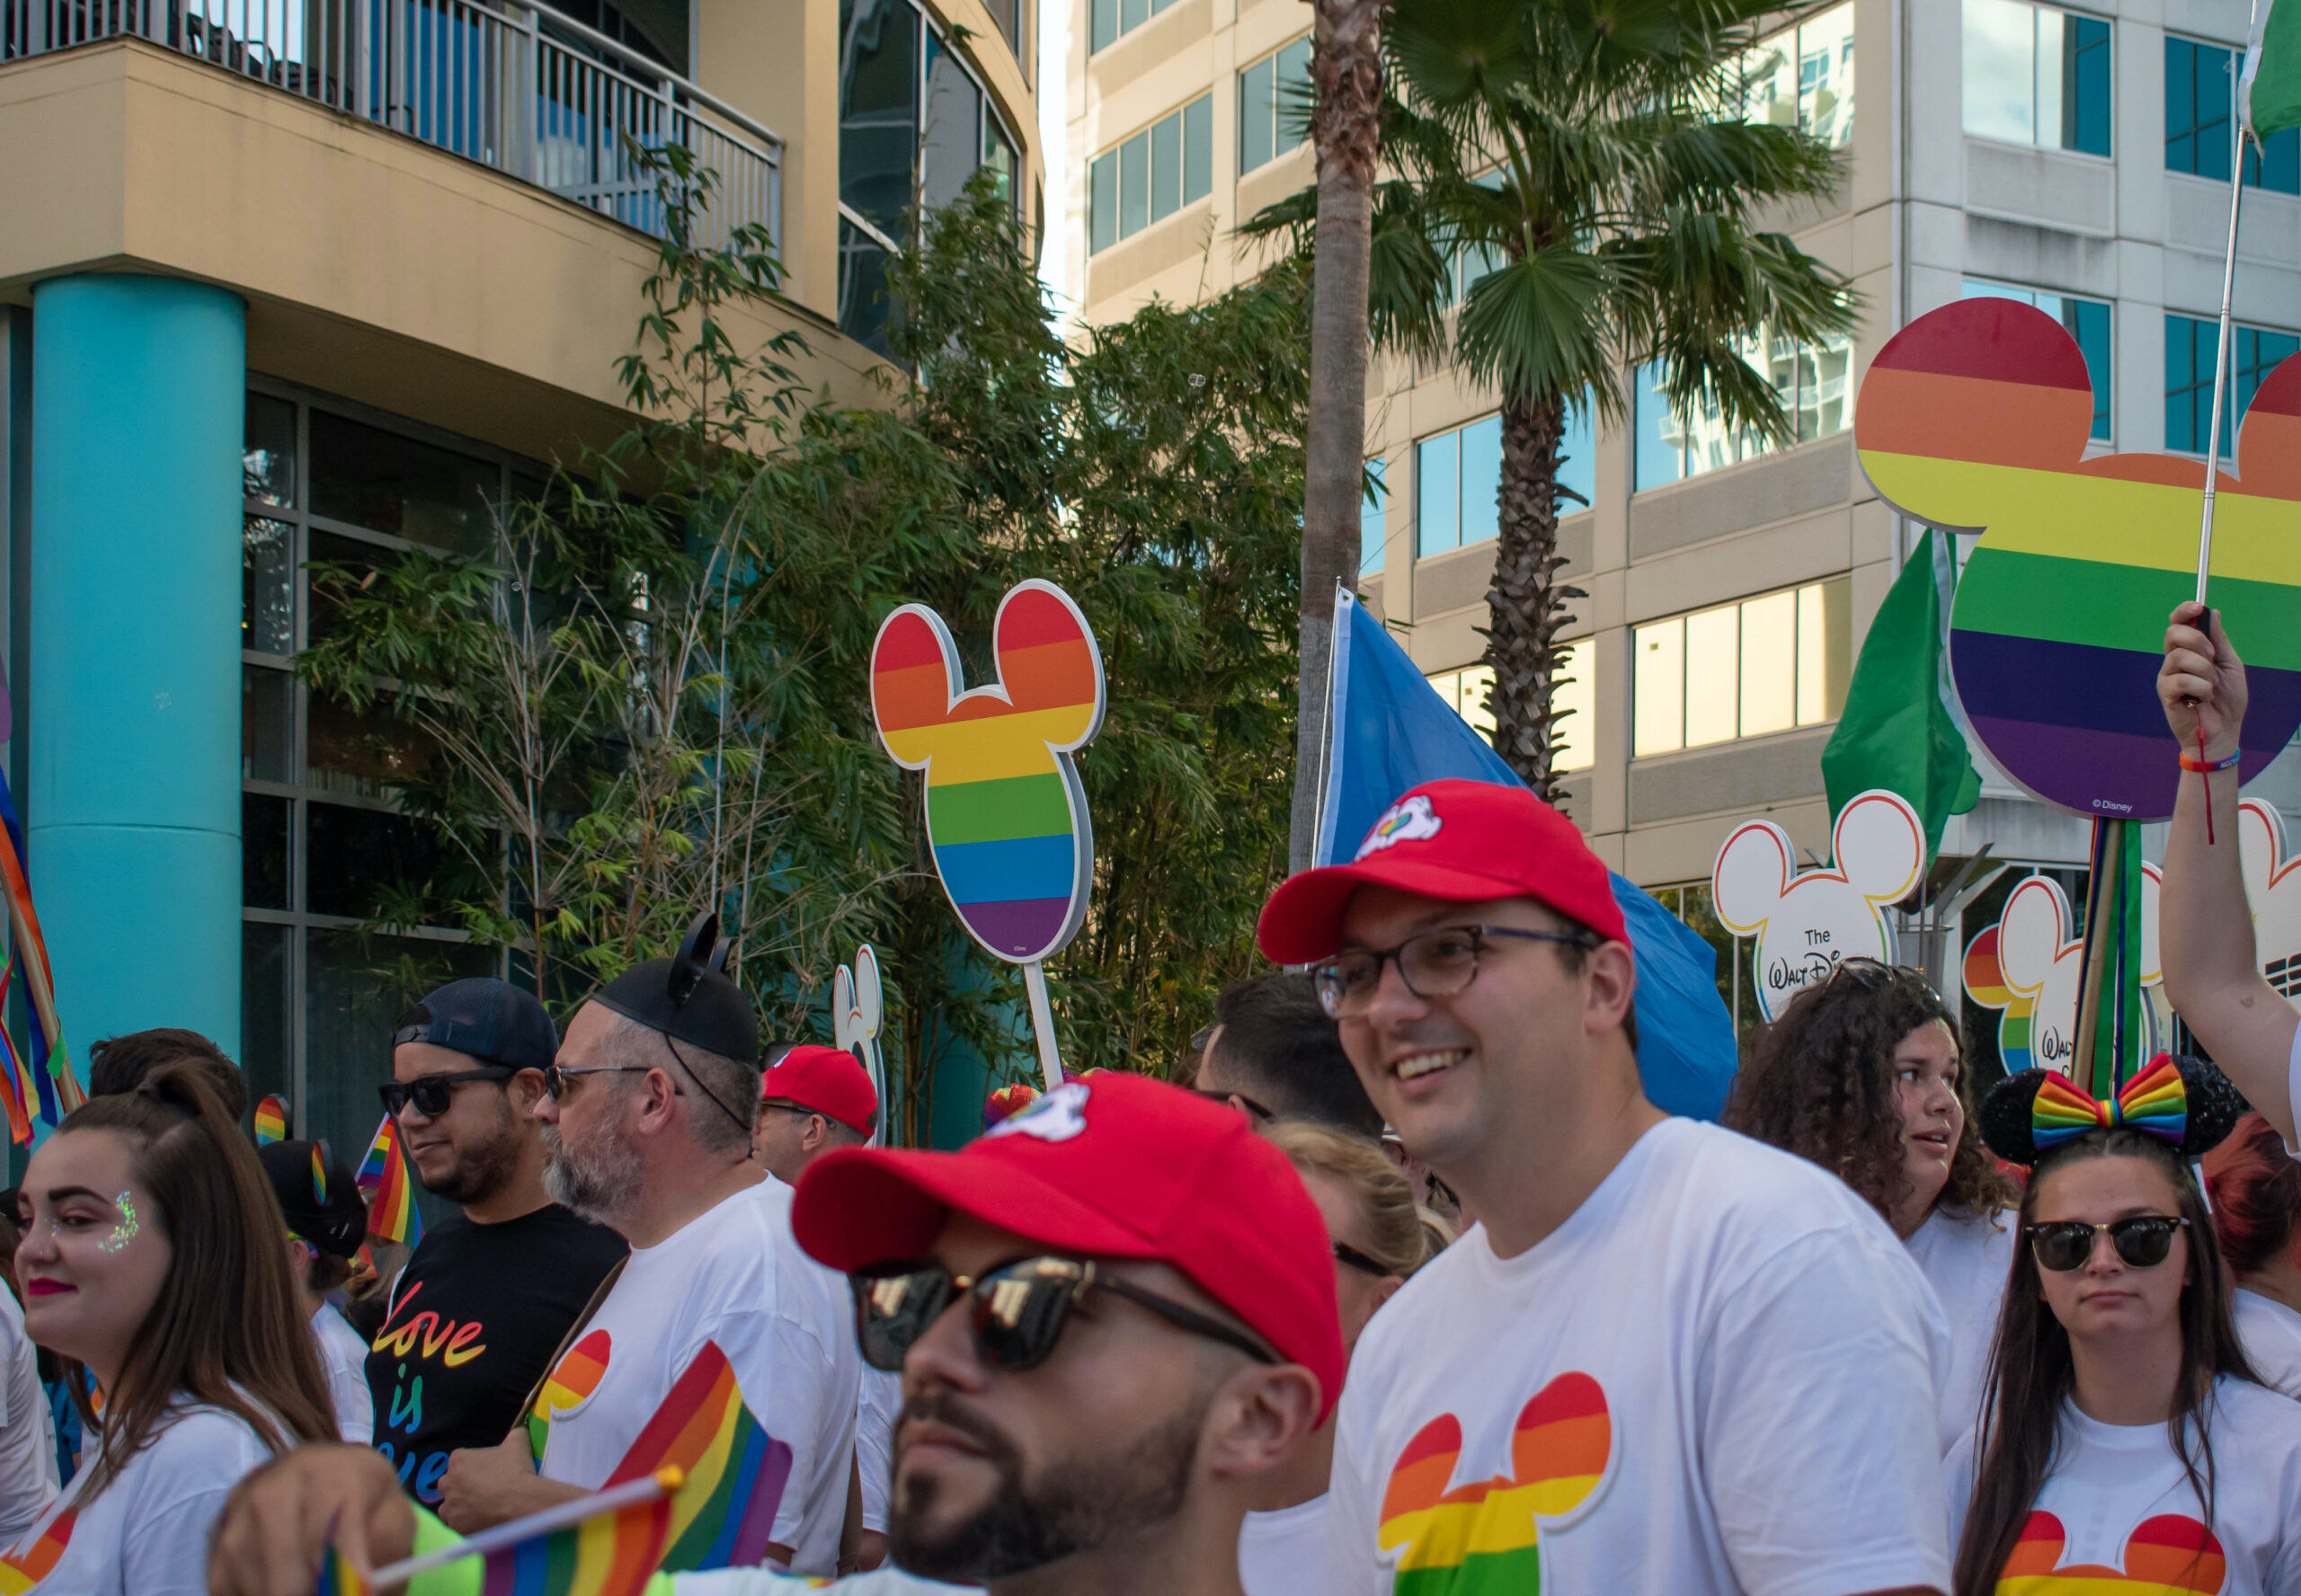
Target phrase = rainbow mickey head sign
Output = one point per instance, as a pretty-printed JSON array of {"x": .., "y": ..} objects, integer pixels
[
  {"x": 1807, "y": 921},
  {"x": 1974, "y": 419},
  {"x": 2030, "y": 965},
  {"x": 1006, "y": 815}
]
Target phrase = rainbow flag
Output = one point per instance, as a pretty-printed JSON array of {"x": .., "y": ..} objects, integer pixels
[
  {"x": 49, "y": 1067},
  {"x": 270, "y": 1121},
  {"x": 20, "y": 1572},
  {"x": 2170, "y": 1555},
  {"x": 390, "y": 1185},
  {"x": 1974, "y": 418},
  {"x": 319, "y": 1174},
  {"x": 721, "y": 1515},
  {"x": 1006, "y": 818},
  {"x": 338, "y": 1577},
  {"x": 614, "y": 1554},
  {"x": 1485, "y": 1536}
]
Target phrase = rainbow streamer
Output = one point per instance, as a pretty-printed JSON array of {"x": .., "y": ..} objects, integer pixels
[
  {"x": 1007, "y": 818},
  {"x": 338, "y": 1577},
  {"x": 384, "y": 1176},
  {"x": 270, "y": 1121},
  {"x": 50, "y": 1066},
  {"x": 20, "y": 1573},
  {"x": 614, "y": 1554},
  {"x": 721, "y": 1515}
]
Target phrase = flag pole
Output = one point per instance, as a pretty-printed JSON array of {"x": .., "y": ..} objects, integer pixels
[
  {"x": 2239, "y": 119},
  {"x": 663, "y": 1482}
]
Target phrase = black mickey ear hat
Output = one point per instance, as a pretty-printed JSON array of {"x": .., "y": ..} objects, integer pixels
[
  {"x": 688, "y": 997},
  {"x": 2007, "y": 1120}
]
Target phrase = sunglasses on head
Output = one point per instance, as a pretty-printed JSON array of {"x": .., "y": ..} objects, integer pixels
[
  {"x": 2142, "y": 1240},
  {"x": 1016, "y": 1311},
  {"x": 431, "y": 1094}
]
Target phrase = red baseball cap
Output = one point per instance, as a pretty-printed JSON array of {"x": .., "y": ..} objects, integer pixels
[
  {"x": 826, "y": 1081},
  {"x": 1459, "y": 842},
  {"x": 1113, "y": 1167}
]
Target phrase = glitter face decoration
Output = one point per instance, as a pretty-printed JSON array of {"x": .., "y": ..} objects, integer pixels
[{"x": 125, "y": 1231}]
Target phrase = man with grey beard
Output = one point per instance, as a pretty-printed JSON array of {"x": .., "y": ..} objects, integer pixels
[{"x": 648, "y": 1115}]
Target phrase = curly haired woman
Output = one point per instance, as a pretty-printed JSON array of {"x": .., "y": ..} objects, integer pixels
[{"x": 1861, "y": 1075}]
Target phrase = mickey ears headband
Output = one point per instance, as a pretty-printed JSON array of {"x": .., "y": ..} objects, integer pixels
[
  {"x": 688, "y": 970},
  {"x": 2184, "y": 1103}
]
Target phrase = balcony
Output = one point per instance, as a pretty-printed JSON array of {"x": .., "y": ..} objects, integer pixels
[{"x": 511, "y": 86}]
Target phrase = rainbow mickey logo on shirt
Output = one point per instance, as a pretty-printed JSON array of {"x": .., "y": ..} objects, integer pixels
[
  {"x": 21, "y": 1571},
  {"x": 569, "y": 1386},
  {"x": 2170, "y": 1554},
  {"x": 1484, "y": 1536}
]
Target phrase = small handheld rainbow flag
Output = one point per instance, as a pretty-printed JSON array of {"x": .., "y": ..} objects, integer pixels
[
  {"x": 384, "y": 1176},
  {"x": 49, "y": 1069},
  {"x": 606, "y": 1544},
  {"x": 270, "y": 1121},
  {"x": 734, "y": 1471},
  {"x": 319, "y": 1173},
  {"x": 338, "y": 1577}
]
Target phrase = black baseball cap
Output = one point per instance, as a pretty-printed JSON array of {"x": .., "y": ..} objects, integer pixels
[
  {"x": 318, "y": 1196},
  {"x": 489, "y": 1020}
]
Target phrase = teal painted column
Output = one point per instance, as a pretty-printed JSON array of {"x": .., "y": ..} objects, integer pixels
[{"x": 133, "y": 819}]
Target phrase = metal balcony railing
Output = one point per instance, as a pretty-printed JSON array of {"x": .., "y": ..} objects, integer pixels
[{"x": 508, "y": 84}]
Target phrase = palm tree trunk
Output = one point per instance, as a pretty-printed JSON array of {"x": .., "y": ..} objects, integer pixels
[
  {"x": 1345, "y": 65},
  {"x": 1525, "y": 606}
]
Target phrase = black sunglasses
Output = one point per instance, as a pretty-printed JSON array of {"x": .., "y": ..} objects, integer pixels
[
  {"x": 1255, "y": 1110},
  {"x": 430, "y": 1092},
  {"x": 2143, "y": 1241},
  {"x": 1016, "y": 1311},
  {"x": 1351, "y": 1257}
]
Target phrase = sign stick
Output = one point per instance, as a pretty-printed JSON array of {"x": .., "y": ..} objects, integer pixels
[
  {"x": 2221, "y": 355},
  {"x": 615, "y": 1499},
  {"x": 2101, "y": 927},
  {"x": 1043, "y": 1023}
]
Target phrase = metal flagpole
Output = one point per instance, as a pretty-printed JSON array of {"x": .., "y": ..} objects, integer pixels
[{"x": 2221, "y": 345}]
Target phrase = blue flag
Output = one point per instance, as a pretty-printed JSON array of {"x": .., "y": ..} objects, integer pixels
[{"x": 1388, "y": 730}]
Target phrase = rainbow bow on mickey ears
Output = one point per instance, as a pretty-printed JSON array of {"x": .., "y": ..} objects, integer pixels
[{"x": 2154, "y": 1101}]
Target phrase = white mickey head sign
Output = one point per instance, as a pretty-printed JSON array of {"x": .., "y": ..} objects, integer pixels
[
  {"x": 1805, "y": 922},
  {"x": 857, "y": 1008},
  {"x": 2273, "y": 888}
]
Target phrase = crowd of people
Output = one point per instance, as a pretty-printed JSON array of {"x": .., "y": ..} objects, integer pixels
[{"x": 1411, "y": 1290}]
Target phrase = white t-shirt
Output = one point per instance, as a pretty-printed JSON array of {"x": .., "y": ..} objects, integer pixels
[
  {"x": 343, "y": 1359},
  {"x": 2117, "y": 1507},
  {"x": 880, "y": 1400},
  {"x": 1967, "y": 1259},
  {"x": 1280, "y": 1552},
  {"x": 750, "y": 1581},
  {"x": 146, "y": 1533},
  {"x": 734, "y": 1275},
  {"x": 1717, "y": 1376},
  {"x": 2271, "y": 1333},
  {"x": 28, "y": 1482}
]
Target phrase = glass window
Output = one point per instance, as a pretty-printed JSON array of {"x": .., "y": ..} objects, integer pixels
[
  {"x": 1466, "y": 693},
  {"x": 1113, "y": 20},
  {"x": 267, "y": 586},
  {"x": 998, "y": 154},
  {"x": 2035, "y": 75},
  {"x": 1273, "y": 104},
  {"x": 878, "y": 109},
  {"x": 2087, "y": 320},
  {"x": 264, "y": 1011},
  {"x": 1482, "y": 480},
  {"x": 950, "y": 143},
  {"x": 1438, "y": 494},
  {"x": 864, "y": 307},
  {"x": 1372, "y": 499},
  {"x": 263, "y": 850},
  {"x": 1802, "y": 77},
  {"x": 2189, "y": 345},
  {"x": 267, "y": 724},
  {"x": 1577, "y": 460},
  {"x": 1166, "y": 166},
  {"x": 1743, "y": 670},
  {"x": 2200, "y": 108},
  {"x": 1814, "y": 383},
  {"x": 365, "y": 756},
  {"x": 1574, "y": 706},
  {"x": 1103, "y": 26},
  {"x": 268, "y": 460},
  {"x": 387, "y": 483}
]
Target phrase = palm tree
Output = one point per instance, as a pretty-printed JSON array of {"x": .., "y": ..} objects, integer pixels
[
  {"x": 1593, "y": 155},
  {"x": 1345, "y": 121}
]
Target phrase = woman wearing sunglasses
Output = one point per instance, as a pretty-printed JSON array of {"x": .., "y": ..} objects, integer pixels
[
  {"x": 1378, "y": 1241},
  {"x": 2128, "y": 1439},
  {"x": 1861, "y": 1074}
]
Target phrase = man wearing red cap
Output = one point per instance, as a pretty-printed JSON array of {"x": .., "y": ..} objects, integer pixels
[
  {"x": 813, "y": 1099},
  {"x": 1671, "y": 1361},
  {"x": 1113, "y": 1315}
]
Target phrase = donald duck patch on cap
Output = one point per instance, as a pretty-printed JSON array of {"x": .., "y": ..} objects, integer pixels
[
  {"x": 1409, "y": 819},
  {"x": 1052, "y": 1116}
]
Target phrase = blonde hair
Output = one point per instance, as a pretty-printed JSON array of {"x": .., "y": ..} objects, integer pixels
[{"x": 1394, "y": 1229}]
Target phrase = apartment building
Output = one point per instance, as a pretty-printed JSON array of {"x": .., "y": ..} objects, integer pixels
[
  {"x": 294, "y": 280},
  {"x": 2075, "y": 158}
]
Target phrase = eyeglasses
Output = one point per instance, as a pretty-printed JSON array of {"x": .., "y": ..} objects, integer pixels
[
  {"x": 1350, "y": 1257},
  {"x": 2142, "y": 1240},
  {"x": 1016, "y": 1311},
  {"x": 1875, "y": 975},
  {"x": 1432, "y": 964},
  {"x": 554, "y": 1076},
  {"x": 431, "y": 1094},
  {"x": 1254, "y": 1109}
]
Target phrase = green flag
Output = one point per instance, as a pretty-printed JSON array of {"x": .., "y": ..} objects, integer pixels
[
  {"x": 1897, "y": 732},
  {"x": 2269, "y": 91}
]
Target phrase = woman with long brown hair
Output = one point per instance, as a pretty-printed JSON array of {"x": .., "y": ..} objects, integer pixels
[
  {"x": 2128, "y": 1437},
  {"x": 1861, "y": 1074},
  {"x": 154, "y": 1262}
]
